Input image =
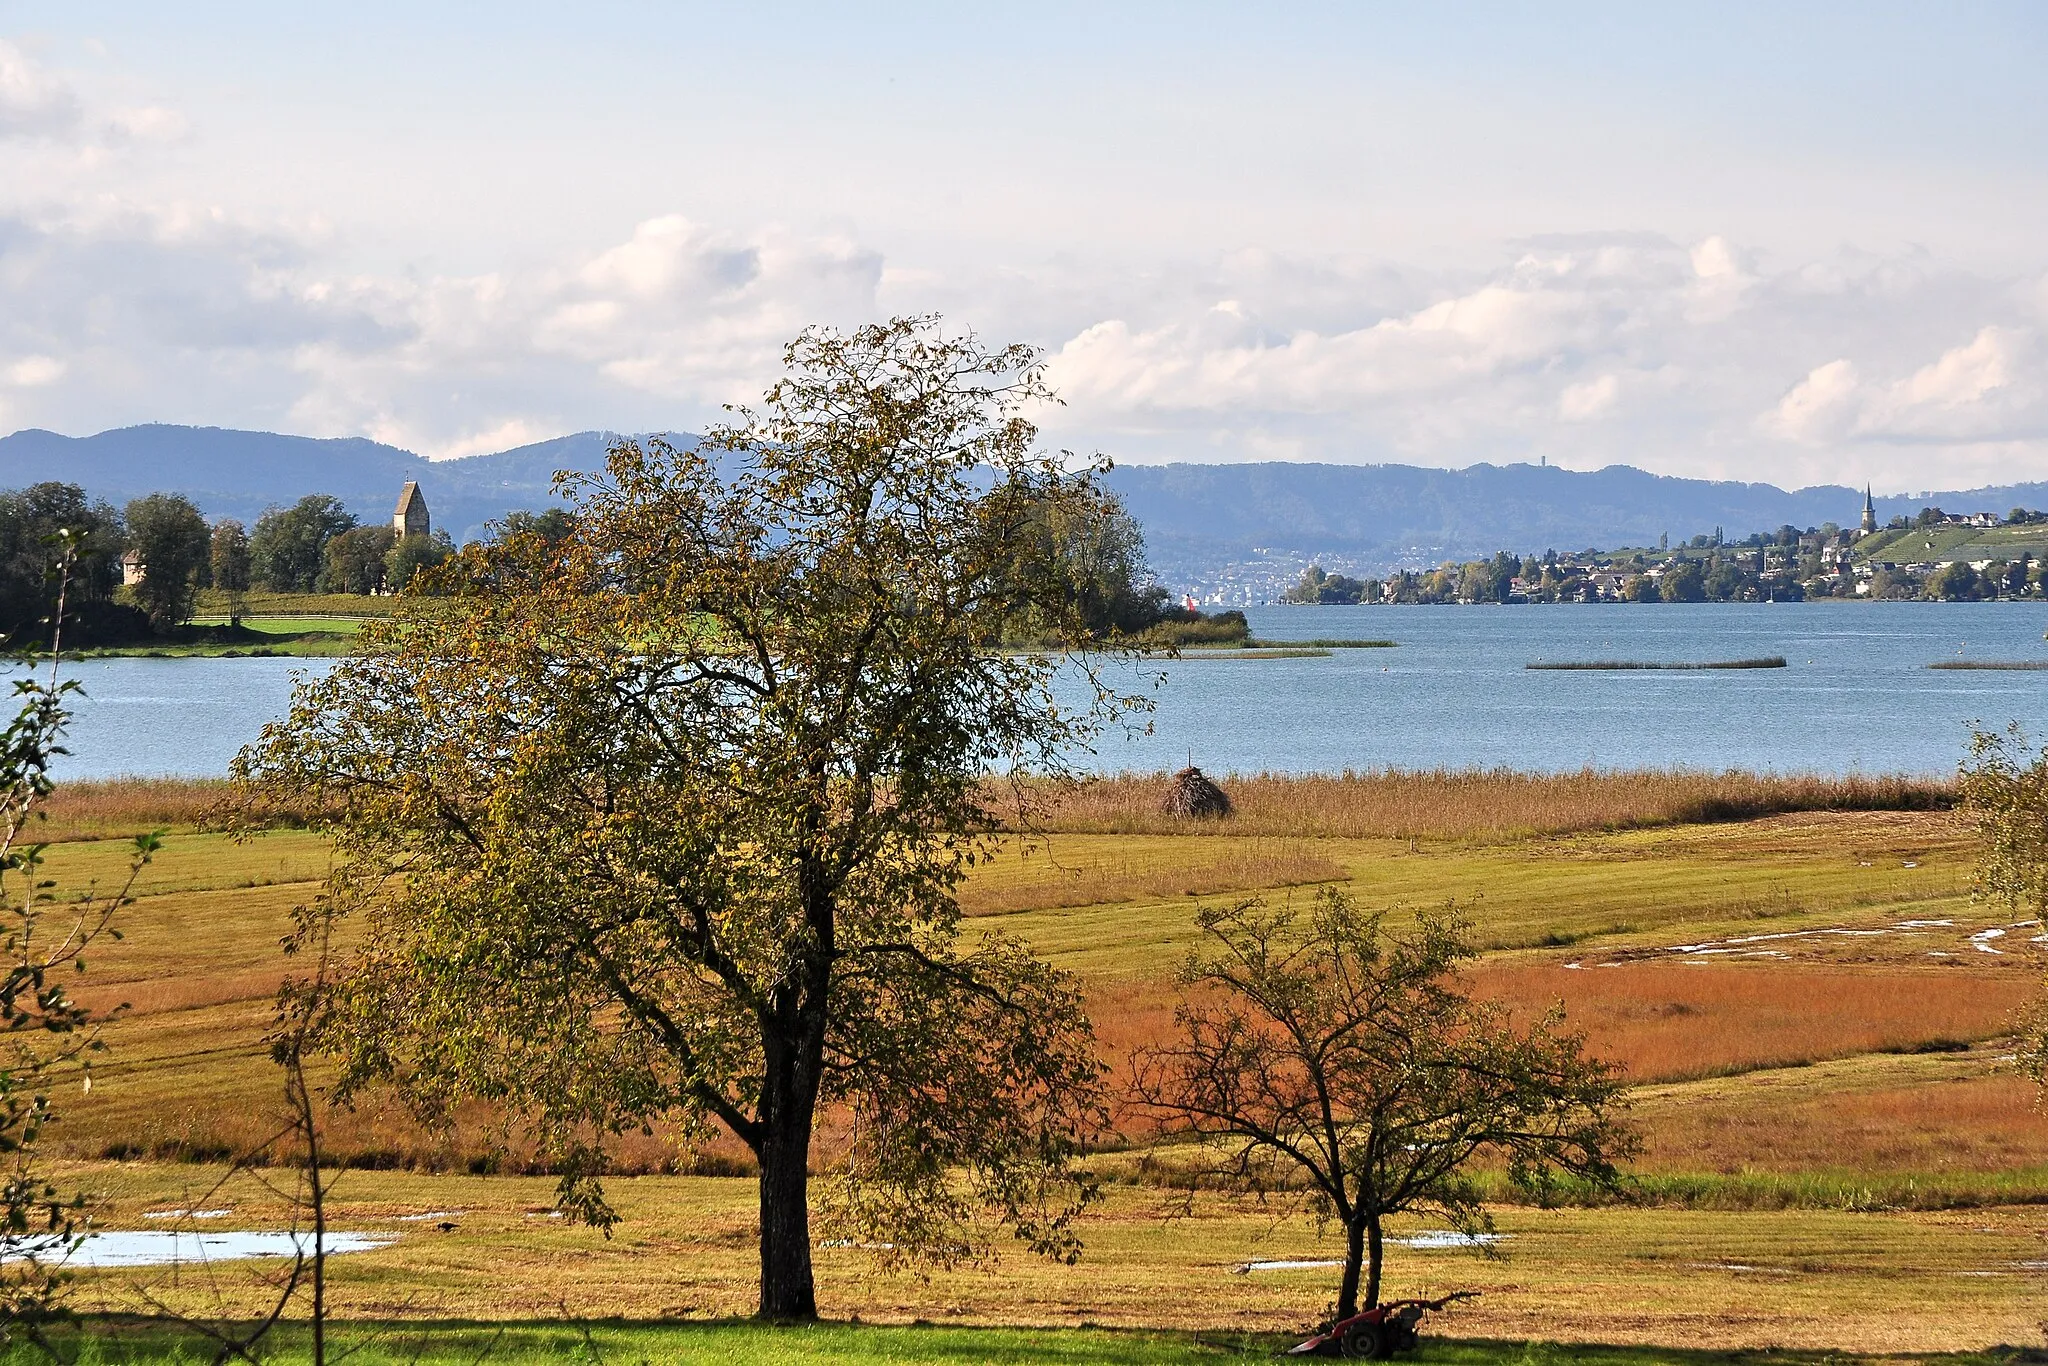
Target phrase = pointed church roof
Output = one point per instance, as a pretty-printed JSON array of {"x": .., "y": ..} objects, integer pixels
[{"x": 407, "y": 496}]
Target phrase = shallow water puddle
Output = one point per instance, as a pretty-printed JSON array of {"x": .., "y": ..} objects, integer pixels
[
  {"x": 1433, "y": 1239},
  {"x": 153, "y": 1247}
]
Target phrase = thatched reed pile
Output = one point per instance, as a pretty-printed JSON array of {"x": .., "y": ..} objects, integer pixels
[{"x": 1190, "y": 793}]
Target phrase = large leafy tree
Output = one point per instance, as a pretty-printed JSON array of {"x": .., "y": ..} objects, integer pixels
[
  {"x": 171, "y": 538},
  {"x": 1327, "y": 1059},
  {"x": 355, "y": 559},
  {"x": 34, "y": 523},
  {"x": 288, "y": 549},
  {"x": 659, "y": 815}
]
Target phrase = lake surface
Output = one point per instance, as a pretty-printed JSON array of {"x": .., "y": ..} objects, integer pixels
[{"x": 1856, "y": 697}]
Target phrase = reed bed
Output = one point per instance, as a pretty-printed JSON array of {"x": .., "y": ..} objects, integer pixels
[
  {"x": 1478, "y": 804},
  {"x": 2009, "y": 665},
  {"x": 117, "y": 807},
  {"x": 1625, "y": 665},
  {"x": 1050, "y": 886},
  {"x": 1326, "y": 643}
]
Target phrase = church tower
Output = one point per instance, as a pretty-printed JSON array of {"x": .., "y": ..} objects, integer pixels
[
  {"x": 410, "y": 518},
  {"x": 1869, "y": 512}
]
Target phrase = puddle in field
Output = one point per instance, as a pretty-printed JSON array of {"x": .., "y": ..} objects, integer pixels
[
  {"x": 187, "y": 1213},
  {"x": 1432, "y": 1239},
  {"x": 1749, "y": 946},
  {"x": 153, "y": 1247}
]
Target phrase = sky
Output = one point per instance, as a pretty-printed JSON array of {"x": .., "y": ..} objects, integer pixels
[{"x": 1795, "y": 243}]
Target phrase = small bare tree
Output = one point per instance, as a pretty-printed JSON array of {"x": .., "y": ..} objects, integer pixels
[
  {"x": 1336, "y": 1063},
  {"x": 2004, "y": 791}
]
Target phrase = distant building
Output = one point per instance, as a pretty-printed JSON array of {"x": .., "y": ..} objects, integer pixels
[
  {"x": 411, "y": 518},
  {"x": 132, "y": 569},
  {"x": 1869, "y": 511}
]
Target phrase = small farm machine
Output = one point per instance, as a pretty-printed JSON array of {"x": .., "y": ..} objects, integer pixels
[{"x": 1378, "y": 1332}]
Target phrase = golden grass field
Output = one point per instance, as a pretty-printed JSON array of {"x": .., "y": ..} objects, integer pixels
[{"x": 1792, "y": 972}]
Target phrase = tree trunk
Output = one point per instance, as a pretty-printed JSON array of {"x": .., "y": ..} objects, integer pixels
[
  {"x": 1354, "y": 1257},
  {"x": 787, "y": 1290},
  {"x": 1374, "y": 1245},
  {"x": 788, "y": 1104}
]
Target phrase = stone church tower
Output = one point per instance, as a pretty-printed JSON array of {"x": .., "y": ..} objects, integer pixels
[
  {"x": 1869, "y": 511},
  {"x": 411, "y": 517}
]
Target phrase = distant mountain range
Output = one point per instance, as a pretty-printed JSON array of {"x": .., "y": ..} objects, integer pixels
[{"x": 1229, "y": 532}]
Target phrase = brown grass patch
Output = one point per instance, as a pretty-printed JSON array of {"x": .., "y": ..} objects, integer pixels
[
  {"x": 1673, "y": 1021},
  {"x": 1490, "y": 804},
  {"x": 1986, "y": 1122}
]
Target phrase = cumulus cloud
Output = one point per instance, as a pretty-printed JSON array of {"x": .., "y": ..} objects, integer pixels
[{"x": 1987, "y": 391}]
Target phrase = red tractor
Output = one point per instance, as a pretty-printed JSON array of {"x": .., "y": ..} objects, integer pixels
[{"x": 1377, "y": 1333}]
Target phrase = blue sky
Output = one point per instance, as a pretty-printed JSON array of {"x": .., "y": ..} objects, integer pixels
[{"x": 1800, "y": 243}]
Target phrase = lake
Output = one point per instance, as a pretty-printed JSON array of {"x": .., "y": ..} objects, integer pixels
[{"x": 1856, "y": 697}]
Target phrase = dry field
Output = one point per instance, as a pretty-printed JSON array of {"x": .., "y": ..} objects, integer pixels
[
  {"x": 685, "y": 1250},
  {"x": 1814, "y": 1013}
]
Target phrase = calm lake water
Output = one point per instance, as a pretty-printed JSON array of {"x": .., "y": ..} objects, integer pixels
[{"x": 1857, "y": 696}]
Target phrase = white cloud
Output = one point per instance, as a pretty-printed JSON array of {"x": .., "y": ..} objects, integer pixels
[
  {"x": 1988, "y": 391},
  {"x": 1588, "y": 400},
  {"x": 32, "y": 372},
  {"x": 33, "y": 102},
  {"x": 1820, "y": 407}
]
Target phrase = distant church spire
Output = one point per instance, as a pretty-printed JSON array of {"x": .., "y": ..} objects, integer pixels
[{"x": 1869, "y": 512}]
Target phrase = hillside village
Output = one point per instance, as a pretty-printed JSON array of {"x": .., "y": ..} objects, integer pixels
[{"x": 1935, "y": 555}]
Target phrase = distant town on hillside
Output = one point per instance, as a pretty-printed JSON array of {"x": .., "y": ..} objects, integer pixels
[{"x": 1933, "y": 555}]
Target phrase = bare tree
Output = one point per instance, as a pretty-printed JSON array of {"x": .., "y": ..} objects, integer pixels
[{"x": 1333, "y": 1062}]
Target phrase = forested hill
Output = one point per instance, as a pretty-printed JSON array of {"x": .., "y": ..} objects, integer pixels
[
  {"x": 1199, "y": 519},
  {"x": 1396, "y": 512}
]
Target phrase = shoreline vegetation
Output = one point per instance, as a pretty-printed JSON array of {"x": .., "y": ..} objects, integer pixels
[
  {"x": 1481, "y": 805},
  {"x": 2015, "y": 665},
  {"x": 1624, "y": 665}
]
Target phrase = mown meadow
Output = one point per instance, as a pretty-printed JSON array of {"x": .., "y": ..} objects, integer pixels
[{"x": 1814, "y": 1013}]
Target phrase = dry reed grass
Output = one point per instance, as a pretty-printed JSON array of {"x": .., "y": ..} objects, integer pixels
[
  {"x": 116, "y": 807},
  {"x": 1674, "y": 1021},
  {"x": 1482, "y": 804},
  {"x": 1242, "y": 869}
]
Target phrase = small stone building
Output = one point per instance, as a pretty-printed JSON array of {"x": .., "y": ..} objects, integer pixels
[{"x": 411, "y": 517}]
